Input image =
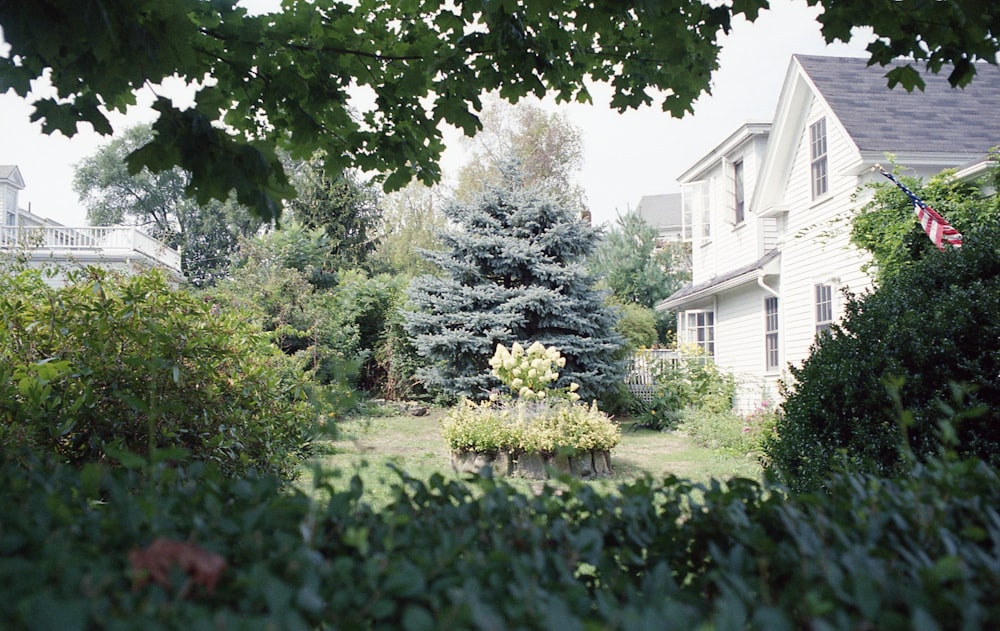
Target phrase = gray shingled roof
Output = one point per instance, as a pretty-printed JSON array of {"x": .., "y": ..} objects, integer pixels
[
  {"x": 940, "y": 118},
  {"x": 661, "y": 210},
  {"x": 735, "y": 277}
]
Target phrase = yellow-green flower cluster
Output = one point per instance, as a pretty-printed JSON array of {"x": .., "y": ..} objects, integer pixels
[{"x": 529, "y": 372}]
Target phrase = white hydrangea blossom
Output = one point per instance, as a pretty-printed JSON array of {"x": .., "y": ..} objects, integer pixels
[{"x": 529, "y": 373}]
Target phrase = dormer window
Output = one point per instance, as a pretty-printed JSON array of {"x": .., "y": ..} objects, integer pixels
[{"x": 817, "y": 153}]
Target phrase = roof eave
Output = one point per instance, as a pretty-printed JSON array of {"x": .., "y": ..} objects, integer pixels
[
  {"x": 743, "y": 279},
  {"x": 743, "y": 133},
  {"x": 768, "y": 265}
]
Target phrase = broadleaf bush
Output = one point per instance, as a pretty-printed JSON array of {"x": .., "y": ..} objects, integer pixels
[
  {"x": 113, "y": 364},
  {"x": 875, "y": 553},
  {"x": 930, "y": 326},
  {"x": 743, "y": 436}
]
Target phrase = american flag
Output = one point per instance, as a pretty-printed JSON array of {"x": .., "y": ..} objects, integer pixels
[{"x": 939, "y": 230}]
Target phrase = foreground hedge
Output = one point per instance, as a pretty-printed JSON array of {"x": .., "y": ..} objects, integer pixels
[{"x": 921, "y": 552}]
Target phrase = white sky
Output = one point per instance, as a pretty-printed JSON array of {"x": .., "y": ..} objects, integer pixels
[{"x": 626, "y": 155}]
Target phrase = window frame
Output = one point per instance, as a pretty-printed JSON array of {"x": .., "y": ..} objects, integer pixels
[
  {"x": 818, "y": 164},
  {"x": 823, "y": 301},
  {"x": 9, "y": 207},
  {"x": 696, "y": 210},
  {"x": 698, "y": 329},
  {"x": 772, "y": 330},
  {"x": 739, "y": 193}
]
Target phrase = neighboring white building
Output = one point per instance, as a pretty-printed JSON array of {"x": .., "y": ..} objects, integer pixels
[
  {"x": 48, "y": 242},
  {"x": 770, "y": 206},
  {"x": 664, "y": 212}
]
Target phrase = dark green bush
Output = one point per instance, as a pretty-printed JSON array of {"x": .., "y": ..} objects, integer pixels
[
  {"x": 375, "y": 304},
  {"x": 112, "y": 362},
  {"x": 341, "y": 325},
  {"x": 932, "y": 324},
  {"x": 876, "y": 553}
]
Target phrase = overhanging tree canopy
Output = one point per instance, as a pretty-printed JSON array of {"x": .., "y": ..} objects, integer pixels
[{"x": 286, "y": 79}]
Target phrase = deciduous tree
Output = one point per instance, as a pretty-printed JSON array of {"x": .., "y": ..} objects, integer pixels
[
  {"x": 411, "y": 221},
  {"x": 370, "y": 82},
  {"x": 548, "y": 147},
  {"x": 887, "y": 227},
  {"x": 207, "y": 235}
]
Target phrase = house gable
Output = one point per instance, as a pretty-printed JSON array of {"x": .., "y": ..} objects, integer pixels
[
  {"x": 835, "y": 119},
  {"x": 800, "y": 105},
  {"x": 10, "y": 175},
  {"x": 10, "y": 183},
  {"x": 723, "y": 236},
  {"x": 926, "y": 130}
]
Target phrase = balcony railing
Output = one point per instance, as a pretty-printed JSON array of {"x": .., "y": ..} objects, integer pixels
[{"x": 114, "y": 242}]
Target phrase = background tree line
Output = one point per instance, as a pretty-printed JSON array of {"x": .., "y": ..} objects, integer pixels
[{"x": 360, "y": 286}]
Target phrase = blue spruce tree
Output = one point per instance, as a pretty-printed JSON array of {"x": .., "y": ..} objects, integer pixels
[{"x": 512, "y": 272}]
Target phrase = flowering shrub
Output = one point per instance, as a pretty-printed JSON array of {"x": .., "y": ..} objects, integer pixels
[
  {"x": 528, "y": 373},
  {"x": 692, "y": 384},
  {"x": 479, "y": 427},
  {"x": 538, "y": 419},
  {"x": 578, "y": 427},
  {"x": 518, "y": 428}
]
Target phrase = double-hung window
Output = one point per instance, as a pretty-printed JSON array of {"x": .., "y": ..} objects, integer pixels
[
  {"x": 771, "y": 333},
  {"x": 696, "y": 204},
  {"x": 817, "y": 158},
  {"x": 738, "y": 193},
  {"x": 824, "y": 307},
  {"x": 699, "y": 330}
]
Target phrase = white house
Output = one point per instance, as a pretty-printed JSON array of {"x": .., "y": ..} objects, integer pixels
[
  {"x": 663, "y": 212},
  {"x": 770, "y": 206},
  {"x": 48, "y": 242}
]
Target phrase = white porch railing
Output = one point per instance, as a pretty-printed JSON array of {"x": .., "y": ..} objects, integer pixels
[
  {"x": 113, "y": 242},
  {"x": 643, "y": 366}
]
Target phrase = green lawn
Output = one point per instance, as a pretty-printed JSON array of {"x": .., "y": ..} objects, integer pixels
[{"x": 368, "y": 445}]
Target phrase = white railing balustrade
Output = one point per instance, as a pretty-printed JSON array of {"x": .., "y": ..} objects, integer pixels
[
  {"x": 643, "y": 367},
  {"x": 112, "y": 241}
]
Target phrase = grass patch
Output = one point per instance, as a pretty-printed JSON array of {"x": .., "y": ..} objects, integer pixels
[
  {"x": 676, "y": 452},
  {"x": 369, "y": 446}
]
